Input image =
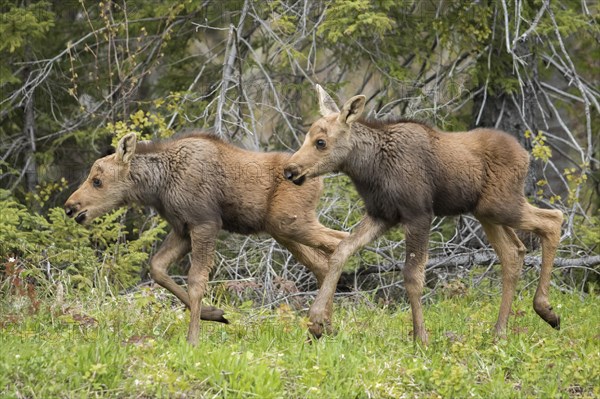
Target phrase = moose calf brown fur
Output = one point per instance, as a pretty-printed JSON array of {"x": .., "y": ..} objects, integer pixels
[
  {"x": 407, "y": 172},
  {"x": 201, "y": 185}
]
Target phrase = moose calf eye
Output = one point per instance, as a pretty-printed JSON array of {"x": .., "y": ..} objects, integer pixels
[
  {"x": 97, "y": 182},
  {"x": 320, "y": 144}
]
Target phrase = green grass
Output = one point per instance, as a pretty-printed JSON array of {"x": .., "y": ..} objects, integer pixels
[{"x": 135, "y": 347}]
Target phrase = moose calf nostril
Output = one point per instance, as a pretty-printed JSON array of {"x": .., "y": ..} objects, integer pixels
[
  {"x": 71, "y": 209},
  {"x": 299, "y": 181}
]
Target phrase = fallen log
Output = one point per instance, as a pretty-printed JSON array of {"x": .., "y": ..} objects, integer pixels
[{"x": 474, "y": 258}]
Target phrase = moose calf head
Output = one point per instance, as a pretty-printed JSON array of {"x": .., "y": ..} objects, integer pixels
[
  {"x": 106, "y": 186},
  {"x": 328, "y": 141}
]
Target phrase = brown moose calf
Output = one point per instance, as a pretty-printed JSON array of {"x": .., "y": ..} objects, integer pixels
[
  {"x": 407, "y": 172},
  {"x": 201, "y": 185}
]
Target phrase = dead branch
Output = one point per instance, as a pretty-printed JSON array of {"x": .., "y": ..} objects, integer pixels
[{"x": 476, "y": 258}]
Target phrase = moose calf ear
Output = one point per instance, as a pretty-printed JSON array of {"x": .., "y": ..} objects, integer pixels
[
  {"x": 326, "y": 104},
  {"x": 352, "y": 110},
  {"x": 126, "y": 148}
]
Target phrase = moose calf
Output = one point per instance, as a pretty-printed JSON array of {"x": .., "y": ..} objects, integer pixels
[
  {"x": 201, "y": 185},
  {"x": 407, "y": 172}
]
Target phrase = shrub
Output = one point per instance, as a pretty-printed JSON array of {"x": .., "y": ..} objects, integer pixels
[{"x": 55, "y": 247}]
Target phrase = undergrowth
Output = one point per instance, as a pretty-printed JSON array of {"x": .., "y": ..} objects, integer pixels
[{"x": 100, "y": 345}]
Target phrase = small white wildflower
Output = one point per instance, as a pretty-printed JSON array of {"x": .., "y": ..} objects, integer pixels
[{"x": 11, "y": 260}]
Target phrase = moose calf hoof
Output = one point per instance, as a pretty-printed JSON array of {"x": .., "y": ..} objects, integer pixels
[
  {"x": 318, "y": 328},
  {"x": 421, "y": 339},
  {"x": 211, "y": 313},
  {"x": 546, "y": 313},
  {"x": 555, "y": 322},
  {"x": 499, "y": 333},
  {"x": 192, "y": 338},
  {"x": 219, "y": 316}
]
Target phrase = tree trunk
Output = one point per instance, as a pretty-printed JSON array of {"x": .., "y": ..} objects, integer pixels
[{"x": 30, "y": 170}]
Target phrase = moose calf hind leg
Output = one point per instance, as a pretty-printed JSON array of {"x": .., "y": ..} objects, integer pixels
[
  {"x": 511, "y": 253},
  {"x": 546, "y": 223},
  {"x": 550, "y": 240}
]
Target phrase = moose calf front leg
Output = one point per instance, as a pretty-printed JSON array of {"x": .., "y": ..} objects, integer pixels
[
  {"x": 203, "y": 250},
  {"x": 367, "y": 230},
  {"x": 316, "y": 260},
  {"x": 417, "y": 238}
]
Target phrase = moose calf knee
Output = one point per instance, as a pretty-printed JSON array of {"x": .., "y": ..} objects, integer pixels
[
  {"x": 157, "y": 273},
  {"x": 552, "y": 230}
]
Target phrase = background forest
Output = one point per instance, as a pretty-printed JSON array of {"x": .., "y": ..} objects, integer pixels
[{"x": 76, "y": 76}]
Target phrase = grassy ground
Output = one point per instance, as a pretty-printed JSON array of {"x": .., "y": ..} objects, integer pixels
[{"x": 134, "y": 347}]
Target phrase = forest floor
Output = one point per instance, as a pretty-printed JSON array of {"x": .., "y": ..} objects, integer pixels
[{"x": 134, "y": 346}]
